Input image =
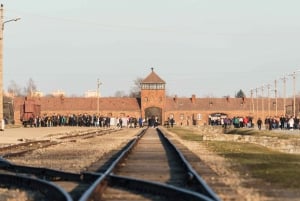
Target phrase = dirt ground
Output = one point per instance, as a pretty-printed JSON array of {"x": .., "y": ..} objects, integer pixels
[
  {"x": 247, "y": 188},
  {"x": 72, "y": 157}
]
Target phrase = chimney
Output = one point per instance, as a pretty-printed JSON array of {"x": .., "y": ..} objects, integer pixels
[
  {"x": 227, "y": 99},
  {"x": 175, "y": 98},
  {"x": 193, "y": 99}
]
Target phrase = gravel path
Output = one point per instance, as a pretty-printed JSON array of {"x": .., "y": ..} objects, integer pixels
[
  {"x": 246, "y": 188},
  {"x": 76, "y": 156}
]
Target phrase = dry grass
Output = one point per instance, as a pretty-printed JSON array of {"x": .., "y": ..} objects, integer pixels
[
  {"x": 280, "y": 169},
  {"x": 271, "y": 166},
  {"x": 280, "y": 134}
]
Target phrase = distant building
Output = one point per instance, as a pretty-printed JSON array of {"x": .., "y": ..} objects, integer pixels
[
  {"x": 38, "y": 94},
  {"x": 91, "y": 94},
  {"x": 58, "y": 93},
  {"x": 155, "y": 104},
  {"x": 8, "y": 94}
]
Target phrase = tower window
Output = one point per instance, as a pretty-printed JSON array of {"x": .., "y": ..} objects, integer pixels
[{"x": 153, "y": 86}]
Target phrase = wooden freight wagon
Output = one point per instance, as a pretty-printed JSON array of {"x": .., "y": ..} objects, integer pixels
[{"x": 29, "y": 110}]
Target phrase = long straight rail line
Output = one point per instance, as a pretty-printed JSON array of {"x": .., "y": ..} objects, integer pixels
[
  {"x": 149, "y": 167},
  {"x": 152, "y": 160}
]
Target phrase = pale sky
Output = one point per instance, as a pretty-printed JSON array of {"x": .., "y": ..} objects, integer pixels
[{"x": 207, "y": 48}]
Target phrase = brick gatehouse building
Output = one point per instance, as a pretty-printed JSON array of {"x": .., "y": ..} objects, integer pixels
[{"x": 155, "y": 103}]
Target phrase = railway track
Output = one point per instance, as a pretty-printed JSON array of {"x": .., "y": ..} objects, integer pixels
[
  {"x": 31, "y": 145},
  {"x": 149, "y": 167}
]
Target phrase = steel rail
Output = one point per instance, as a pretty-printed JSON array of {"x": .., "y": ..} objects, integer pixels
[
  {"x": 29, "y": 146},
  {"x": 45, "y": 174},
  {"x": 193, "y": 175},
  {"x": 48, "y": 189},
  {"x": 22, "y": 144},
  {"x": 45, "y": 143},
  {"x": 99, "y": 181},
  {"x": 166, "y": 190},
  {"x": 99, "y": 185},
  {"x": 48, "y": 174},
  {"x": 157, "y": 188},
  {"x": 88, "y": 134},
  {"x": 24, "y": 174},
  {"x": 42, "y": 173}
]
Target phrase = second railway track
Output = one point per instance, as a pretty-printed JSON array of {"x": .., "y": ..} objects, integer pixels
[
  {"x": 149, "y": 167},
  {"x": 154, "y": 169}
]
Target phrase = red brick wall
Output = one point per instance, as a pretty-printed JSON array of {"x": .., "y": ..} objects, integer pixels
[
  {"x": 188, "y": 107},
  {"x": 153, "y": 98}
]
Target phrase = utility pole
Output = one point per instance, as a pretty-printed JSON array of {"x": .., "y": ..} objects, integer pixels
[
  {"x": 284, "y": 94},
  {"x": 252, "y": 102},
  {"x": 268, "y": 86},
  {"x": 294, "y": 94},
  {"x": 275, "y": 90},
  {"x": 1, "y": 68},
  {"x": 262, "y": 101},
  {"x": 2, "y": 22},
  {"x": 98, "y": 86},
  {"x": 256, "y": 93}
]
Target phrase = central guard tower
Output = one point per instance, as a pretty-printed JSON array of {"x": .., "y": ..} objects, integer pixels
[{"x": 153, "y": 97}]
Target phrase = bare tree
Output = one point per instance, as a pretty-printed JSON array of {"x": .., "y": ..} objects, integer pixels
[
  {"x": 14, "y": 89},
  {"x": 120, "y": 94},
  {"x": 240, "y": 94},
  {"x": 136, "y": 89},
  {"x": 30, "y": 88}
]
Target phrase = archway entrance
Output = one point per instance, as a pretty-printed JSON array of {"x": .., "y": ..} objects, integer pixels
[
  {"x": 216, "y": 118},
  {"x": 153, "y": 115}
]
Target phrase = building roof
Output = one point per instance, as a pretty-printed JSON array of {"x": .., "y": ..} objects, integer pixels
[
  {"x": 206, "y": 104},
  {"x": 153, "y": 78},
  {"x": 85, "y": 104}
]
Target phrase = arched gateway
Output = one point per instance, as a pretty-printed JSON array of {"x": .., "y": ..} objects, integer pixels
[
  {"x": 216, "y": 118},
  {"x": 153, "y": 102},
  {"x": 153, "y": 98},
  {"x": 154, "y": 114}
]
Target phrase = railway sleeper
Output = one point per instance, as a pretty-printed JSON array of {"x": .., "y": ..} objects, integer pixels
[
  {"x": 156, "y": 188},
  {"x": 47, "y": 189}
]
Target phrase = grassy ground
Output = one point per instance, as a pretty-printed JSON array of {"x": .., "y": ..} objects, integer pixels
[
  {"x": 281, "y": 134},
  {"x": 187, "y": 134},
  {"x": 274, "y": 167}
]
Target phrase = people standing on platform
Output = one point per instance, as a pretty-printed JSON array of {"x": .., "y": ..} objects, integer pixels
[
  {"x": 259, "y": 123},
  {"x": 172, "y": 122},
  {"x": 291, "y": 123},
  {"x": 140, "y": 122}
]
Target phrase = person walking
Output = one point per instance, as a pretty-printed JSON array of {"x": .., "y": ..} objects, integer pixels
[{"x": 259, "y": 122}]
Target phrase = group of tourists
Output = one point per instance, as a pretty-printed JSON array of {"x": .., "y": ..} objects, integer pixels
[
  {"x": 283, "y": 122},
  {"x": 236, "y": 122},
  {"x": 84, "y": 120}
]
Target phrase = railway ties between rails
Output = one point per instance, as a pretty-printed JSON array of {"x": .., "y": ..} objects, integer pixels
[
  {"x": 36, "y": 185},
  {"x": 152, "y": 169},
  {"x": 147, "y": 168}
]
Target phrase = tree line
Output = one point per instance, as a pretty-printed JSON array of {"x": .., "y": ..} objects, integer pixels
[{"x": 135, "y": 92}]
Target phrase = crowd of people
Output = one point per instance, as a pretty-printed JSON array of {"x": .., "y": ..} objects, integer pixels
[
  {"x": 236, "y": 122},
  {"x": 87, "y": 120},
  {"x": 282, "y": 122},
  {"x": 81, "y": 120}
]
